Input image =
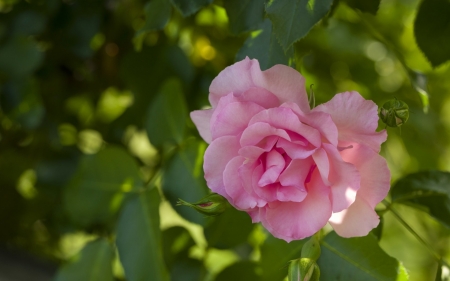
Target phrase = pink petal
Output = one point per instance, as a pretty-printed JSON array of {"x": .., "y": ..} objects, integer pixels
[
  {"x": 358, "y": 220},
  {"x": 261, "y": 96},
  {"x": 284, "y": 82},
  {"x": 256, "y": 132},
  {"x": 375, "y": 174},
  {"x": 355, "y": 118},
  {"x": 254, "y": 214},
  {"x": 233, "y": 118},
  {"x": 344, "y": 177},
  {"x": 296, "y": 173},
  {"x": 290, "y": 194},
  {"x": 294, "y": 221},
  {"x": 284, "y": 118},
  {"x": 268, "y": 193},
  {"x": 245, "y": 173},
  {"x": 217, "y": 156},
  {"x": 201, "y": 119},
  {"x": 274, "y": 165},
  {"x": 236, "y": 78},
  {"x": 323, "y": 164},
  {"x": 234, "y": 187}
]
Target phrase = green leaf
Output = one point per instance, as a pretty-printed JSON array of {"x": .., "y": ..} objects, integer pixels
[
  {"x": 93, "y": 263},
  {"x": 183, "y": 179},
  {"x": 188, "y": 7},
  {"x": 229, "y": 229},
  {"x": 240, "y": 271},
  {"x": 187, "y": 269},
  {"x": 139, "y": 238},
  {"x": 20, "y": 56},
  {"x": 275, "y": 257},
  {"x": 157, "y": 15},
  {"x": 427, "y": 189},
  {"x": 263, "y": 46},
  {"x": 432, "y": 30},
  {"x": 167, "y": 114},
  {"x": 293, "y": 19},
  {"x": 369, "y": 6},
  {"x": 358, "y": 258},
  {"x": 176, "y": 244},
  {"x": 244, "y": 15},
  {"x": 95, "y": 192}
]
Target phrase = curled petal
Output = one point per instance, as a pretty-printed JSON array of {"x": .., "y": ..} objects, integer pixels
[
  {"x": 257, "y": 132},
  {"x": 201, "y": 119},
  {"x": 261, "y": 96}
]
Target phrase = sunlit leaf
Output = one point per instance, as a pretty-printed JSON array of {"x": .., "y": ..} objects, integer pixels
[
  {"x": 369, "y": 6},
  {"x": 263, "y": 46},
  {"x": 359, "y": 258},
  {"x": 275, "y": 257},
  {"x": 95, "y": 192},
  {"x": 93, "y": 263},
  {"x": 188, "y": 7},
  {"x": 244, "y": 15},
  {"x": 420, "y": 82},
  {"x": 157, "y": 15},
  {"x": 167, "y": 115},
  {"x": 432, "y": 30},
  {"x": 428, "y": 190},
  {"x": 139, "y": 238},
  {"x": 240, "y": 271},
  {"x": 293, "y": 19}
]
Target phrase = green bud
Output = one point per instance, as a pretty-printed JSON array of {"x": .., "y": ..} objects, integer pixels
[
  {"x": 394, "y": 113},
  {"x": 211, "y": 205},
  {"x": 303, "y": 269},
  {"x": 311, "y": 249}
]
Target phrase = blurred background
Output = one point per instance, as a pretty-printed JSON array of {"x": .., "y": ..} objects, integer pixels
[{"x": 85, "y": 87}]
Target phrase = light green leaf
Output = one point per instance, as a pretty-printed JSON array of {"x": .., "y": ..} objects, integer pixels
[
  {"x": 359, "y": 258},
  {"x": 188, "y": 7},
  {"x": 293, "y": 19},
  {"x": 427, "y": 189},
  {"x": 244, "y": 15},
  {"x": 139, "y": 238},
  {"x": 167, "y": 114},
  {"x": 275, "y": 257},
  {"x": 369, "y": 6},
  {"x": 95, "y": 192},
  {"x": 432, "y": 30},
  {"x": 93, "y": 263},
  {"x": 157, "y": 15},
  {"x": 263, "y": 46}
]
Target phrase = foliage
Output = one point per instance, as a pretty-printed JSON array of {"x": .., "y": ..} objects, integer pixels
[{"x": 96, "y": 144}]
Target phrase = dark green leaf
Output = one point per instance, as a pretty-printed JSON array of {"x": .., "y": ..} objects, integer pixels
[
  {"x": 139, "y": 238},
  {"x": 240, "y": 271},
  {"x": 275, "y": 257},
  {"x": 95, "y": 192},
  {"x": 432, "y": 30},
  {"x": 293, "y": 19},
  {"x": 229, "y": 229},
  {"x": 183, "y": 178},
  {"x": 176, "y": 243},
  {"x": 427, "y": 189},
  {"x": 167, "y": 114},
  {"x": 187, "y": 269},
  {"x": 157, "y": 15},
  {"x": 358, "y": 258},
  {"x": 244, "y": 15},
  {"x": 188, "y": 7},
  {"x": 264, "y": 47},
  {"x": 20, "y": 56},
  {"x": 369, "y": 6},
  {"x": 93, "y": 263}
]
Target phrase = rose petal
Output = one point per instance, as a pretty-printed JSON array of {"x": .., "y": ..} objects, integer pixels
[
  {"x": 274, "y": 165},
  {"x": 344, "y": 178},
  {"x": 261, "y": 96},
  {"x": 295, "y": 221},
  {"x": 201, "y": 119},
  {"x": 217, "y": 156},
  {"x": 256, "y": 132},
  {"x": 290, "y": 194},
  {"x": 375, "y": 174},
  {"x": 233, "y": 118},
  {"x": 355, "y": 118},
  {"x": 296, "y": 173},
  {"x": 234, "y": 187},
  {"x": 358, "y": 220},
  {"x": 323, "y": 164},
  {"x": 284, "y": 82},
  {"x": 296, "y": 151},
  {"x": 267, "y": 193},
  {"x": 284, "y": 118}
]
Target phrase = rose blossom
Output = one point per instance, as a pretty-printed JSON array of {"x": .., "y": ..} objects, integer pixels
[{"x": 289, "y": 167}]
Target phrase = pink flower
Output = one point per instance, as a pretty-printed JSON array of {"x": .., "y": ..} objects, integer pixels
[{"x": 289, "y": 167}]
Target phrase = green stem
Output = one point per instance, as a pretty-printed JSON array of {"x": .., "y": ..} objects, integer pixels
[{"x": 415, "y": 234}]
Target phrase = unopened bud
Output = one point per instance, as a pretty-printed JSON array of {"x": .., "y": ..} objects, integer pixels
[
  {"x": 394, "y": 113},
  {"x": 303, "y": 269},
  {"x": 311, "y": 249},
  {"x": 211, "y": 205}
]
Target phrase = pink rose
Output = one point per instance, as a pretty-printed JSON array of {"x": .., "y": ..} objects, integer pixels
[{"x": 289, "y": 167}]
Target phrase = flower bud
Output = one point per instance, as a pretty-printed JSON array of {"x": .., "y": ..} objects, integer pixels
[
  {"x": 303, "y": 269},
  {"x": 311, "y": 249},
  {"x": 211, "y": 205},
  {"x": 394, "y": 113}
]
